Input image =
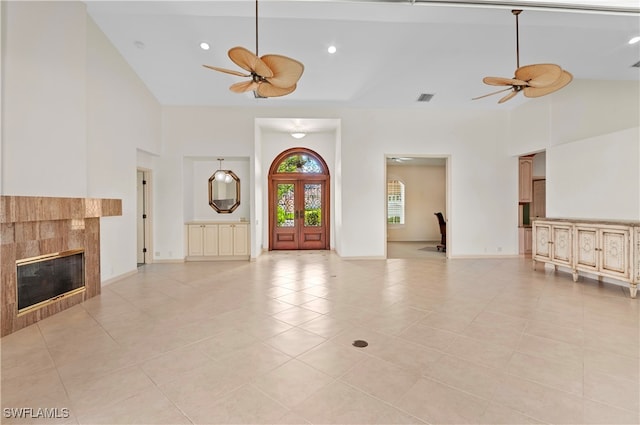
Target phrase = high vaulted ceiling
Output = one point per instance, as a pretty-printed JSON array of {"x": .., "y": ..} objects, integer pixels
[{"x": 388, "y": 52}]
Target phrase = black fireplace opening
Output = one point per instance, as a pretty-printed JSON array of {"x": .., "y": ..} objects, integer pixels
[{"x": 46, "y": 278}]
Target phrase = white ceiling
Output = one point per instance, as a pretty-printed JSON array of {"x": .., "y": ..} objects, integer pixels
[{"x": 389, "y": 52}]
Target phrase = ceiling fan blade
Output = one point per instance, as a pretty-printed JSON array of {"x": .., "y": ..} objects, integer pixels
[
  {"x": 539, "y": 75},
  {"x": 269, "y": 90},
  {"x": 227, "y": 71},
  {"x": 491, "y": 94},
  {"x": 565, "y": 78},
  {"x": 286, "y": 71},
  {"x": 246, "y": 60},
  {"x": 509, "y": 96},
  {"x": 500, "y": 81},
  {"x": 243, "y": 86}
]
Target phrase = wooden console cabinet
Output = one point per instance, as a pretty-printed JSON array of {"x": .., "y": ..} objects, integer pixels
[
  {"x": 604, "y": 248},
  {"x": 208, "y": 241}
]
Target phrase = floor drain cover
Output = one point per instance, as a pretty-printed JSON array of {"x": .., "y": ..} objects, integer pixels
[{"x": 360, "y": 343}]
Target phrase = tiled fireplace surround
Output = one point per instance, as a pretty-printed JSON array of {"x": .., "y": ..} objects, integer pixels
[{"x": 33, "y": 226}]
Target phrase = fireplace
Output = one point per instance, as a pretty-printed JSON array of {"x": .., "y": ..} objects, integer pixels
[
  {"x": 50, "y": 255},
  {"x": 47, "y": 278}
]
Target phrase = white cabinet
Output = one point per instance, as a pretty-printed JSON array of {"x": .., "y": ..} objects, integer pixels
[
  {"x": 203, "y": 239},
  {"x": 603, "y": 248},
  {"x": 552, "y": 243},
  {"x": 217, "y": 241},
  {"x": 233, "y": 239}
]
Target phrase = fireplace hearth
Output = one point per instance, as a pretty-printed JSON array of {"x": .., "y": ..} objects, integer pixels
[{"x": 31, "y": 229}]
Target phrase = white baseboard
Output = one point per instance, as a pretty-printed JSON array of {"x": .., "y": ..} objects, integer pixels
[{"x": 117, "y": 278}]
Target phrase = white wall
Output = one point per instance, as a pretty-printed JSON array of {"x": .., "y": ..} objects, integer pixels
[
  {"x": 540, "y": 164},
  {"x": 592, "y": 148},
  {"x": 197, "y": 174},
  {"x": 74, "y": 116},
  {"x": 44, "y": 122},
  {"x": 483, "y": 177},
  {"x": 597, "y": 177},
  {"x": 482, "y": 210},
  {"x": 425, "y": 193},
  {"x": 97, "y": 117},
  {"x": 581, "y": 110},
  {"x": 123, "y": 118},
  {"x": 189, "y": 134}
]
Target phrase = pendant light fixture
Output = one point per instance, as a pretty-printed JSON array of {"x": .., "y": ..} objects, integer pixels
[{"x": 221, "y": 174}]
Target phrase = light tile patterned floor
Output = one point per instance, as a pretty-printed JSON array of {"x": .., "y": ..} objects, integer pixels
[{"x": 461, "y": 341}]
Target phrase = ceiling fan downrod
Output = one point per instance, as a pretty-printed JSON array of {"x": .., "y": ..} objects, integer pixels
[
  {"x": 516, "y": 12},
  {"x": 257, "y": 54}
]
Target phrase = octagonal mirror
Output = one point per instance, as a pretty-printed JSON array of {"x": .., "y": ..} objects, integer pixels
[{"x": 224, "y": 191}]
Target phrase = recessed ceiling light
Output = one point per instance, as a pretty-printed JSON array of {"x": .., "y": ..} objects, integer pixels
[
  {"x": 204, "y": 46},
  {"x": 331, "y": 49},
  {"x": 634, "y": 40}
]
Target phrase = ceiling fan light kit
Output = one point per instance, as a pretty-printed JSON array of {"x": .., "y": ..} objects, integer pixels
[
  {"x": 533, "y": 80},
  {"x": 271, "y": 75}
]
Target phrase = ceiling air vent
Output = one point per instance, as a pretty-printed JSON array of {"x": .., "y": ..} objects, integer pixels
[
  {"x": 636, "y": 65},
  {"x": 425, "y": 97}
]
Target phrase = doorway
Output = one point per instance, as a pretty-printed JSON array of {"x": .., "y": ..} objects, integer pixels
[
  {"x": 416, "y": 190},
  {"x": 143, "y": 218},
  {"x": 298, "y": 201}
]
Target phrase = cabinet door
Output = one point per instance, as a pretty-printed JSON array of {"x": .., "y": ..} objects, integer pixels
[
  {"x": 195, "y": 240},
  {"x": 210, "y": 239},
  {"x": 526, "y": 179},
  {"x": 615, "y": 252},
  {"x": 539, "y": 201},
  {"x": 637, "y": 254},
  {"x": 587, "y": 248},
  {"x": 240, "y": 245},
  {"x": 527, "y": 240},
  {"x": 225, "y": 239},
  {"x": 542, "y": 237},
  {"x": 561, "y": 251}
]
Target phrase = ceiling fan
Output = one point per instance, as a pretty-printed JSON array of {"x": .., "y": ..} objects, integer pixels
[
  {"x": 271, "y": 75},
  {"x": 533, "y": 80}
]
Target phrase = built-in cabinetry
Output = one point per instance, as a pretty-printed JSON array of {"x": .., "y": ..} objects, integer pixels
[
  {"x": 525, "y": 179},
  {"x": 602, "y": 248},
  {"x": 524, "y": 238},
  {"x": 525, "y": 197},
  {"x": 208, "y": 241},
  {"x": 538, "y": 208},
  {"x": 202, "y": 240}
]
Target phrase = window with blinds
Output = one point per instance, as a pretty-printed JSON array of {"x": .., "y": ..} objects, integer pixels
[{"x": 395, "y": 202}]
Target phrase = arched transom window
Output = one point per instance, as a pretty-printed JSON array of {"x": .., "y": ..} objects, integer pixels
[{"x": 299, "y": 161}]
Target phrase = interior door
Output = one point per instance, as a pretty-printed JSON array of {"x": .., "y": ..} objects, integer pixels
[
  {"x": 141, "y": 217},
  {"x": 299, "y": 214}
]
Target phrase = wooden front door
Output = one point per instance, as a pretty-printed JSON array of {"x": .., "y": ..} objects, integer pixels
[{"x": 298, "y": 202}]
